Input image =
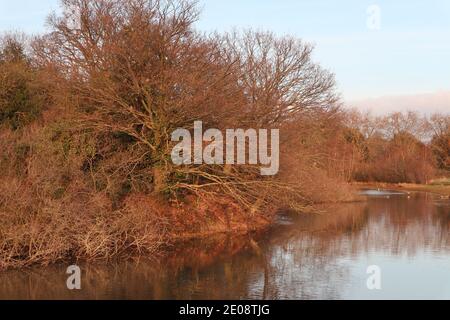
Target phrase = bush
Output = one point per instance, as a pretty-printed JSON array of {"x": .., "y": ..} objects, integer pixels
[{"x": 22, "y": 98}]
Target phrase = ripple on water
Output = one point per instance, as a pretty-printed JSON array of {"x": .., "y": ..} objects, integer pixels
[{"x": 381, "y": 193}]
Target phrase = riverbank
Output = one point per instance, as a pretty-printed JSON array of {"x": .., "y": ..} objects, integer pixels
[
  {"x": 440, "y": 189},
  {"x": 87, "y": 228},
  {"x": 146, "y": 226},
  {"x": 307, "y": 256}
]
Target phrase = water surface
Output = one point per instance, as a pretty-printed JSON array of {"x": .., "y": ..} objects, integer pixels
[{"x": 323, "y": 256}]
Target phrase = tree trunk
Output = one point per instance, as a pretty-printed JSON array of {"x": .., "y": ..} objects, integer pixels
[{"x": 159, "y": 179}]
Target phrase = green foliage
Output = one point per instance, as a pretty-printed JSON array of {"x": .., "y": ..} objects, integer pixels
[
  {"x": 21, "y": 97},
  {"x": 17, "y": 107}
]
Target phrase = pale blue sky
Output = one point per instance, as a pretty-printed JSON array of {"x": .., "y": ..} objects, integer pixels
[{"x": 409, "y": 55}]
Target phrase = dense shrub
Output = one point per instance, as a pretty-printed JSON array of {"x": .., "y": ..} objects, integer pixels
[{"x": 22, "y": 97}]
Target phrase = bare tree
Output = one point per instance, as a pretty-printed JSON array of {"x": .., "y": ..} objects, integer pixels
[{"x": 278, "y": 77}]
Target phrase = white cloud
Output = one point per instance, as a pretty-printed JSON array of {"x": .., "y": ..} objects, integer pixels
[{"x": 425, "y": 103}]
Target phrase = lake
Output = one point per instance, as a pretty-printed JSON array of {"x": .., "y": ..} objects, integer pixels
[{"x": 314, "y": 256}]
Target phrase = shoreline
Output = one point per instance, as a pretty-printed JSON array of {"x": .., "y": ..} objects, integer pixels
[
  {"x": 237, "y": 226},
  {"x": 442, "y": 190}
]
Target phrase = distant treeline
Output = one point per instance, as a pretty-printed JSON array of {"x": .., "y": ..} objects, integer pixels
[{"x": 400, "y": 147}]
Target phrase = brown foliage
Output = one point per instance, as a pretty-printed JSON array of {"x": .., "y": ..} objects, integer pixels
[
  {"x": 400, "y": 147},
  {"x": 22, "y": 95},
  {"x": 92, "y": 178},
  {"x": 139, "y": 71}
]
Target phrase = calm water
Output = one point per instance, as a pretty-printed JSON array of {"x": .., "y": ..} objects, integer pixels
[{"x": 303, "y": 257}]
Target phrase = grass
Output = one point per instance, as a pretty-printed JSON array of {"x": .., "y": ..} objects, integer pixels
[{"x": 441, "y": 182}]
